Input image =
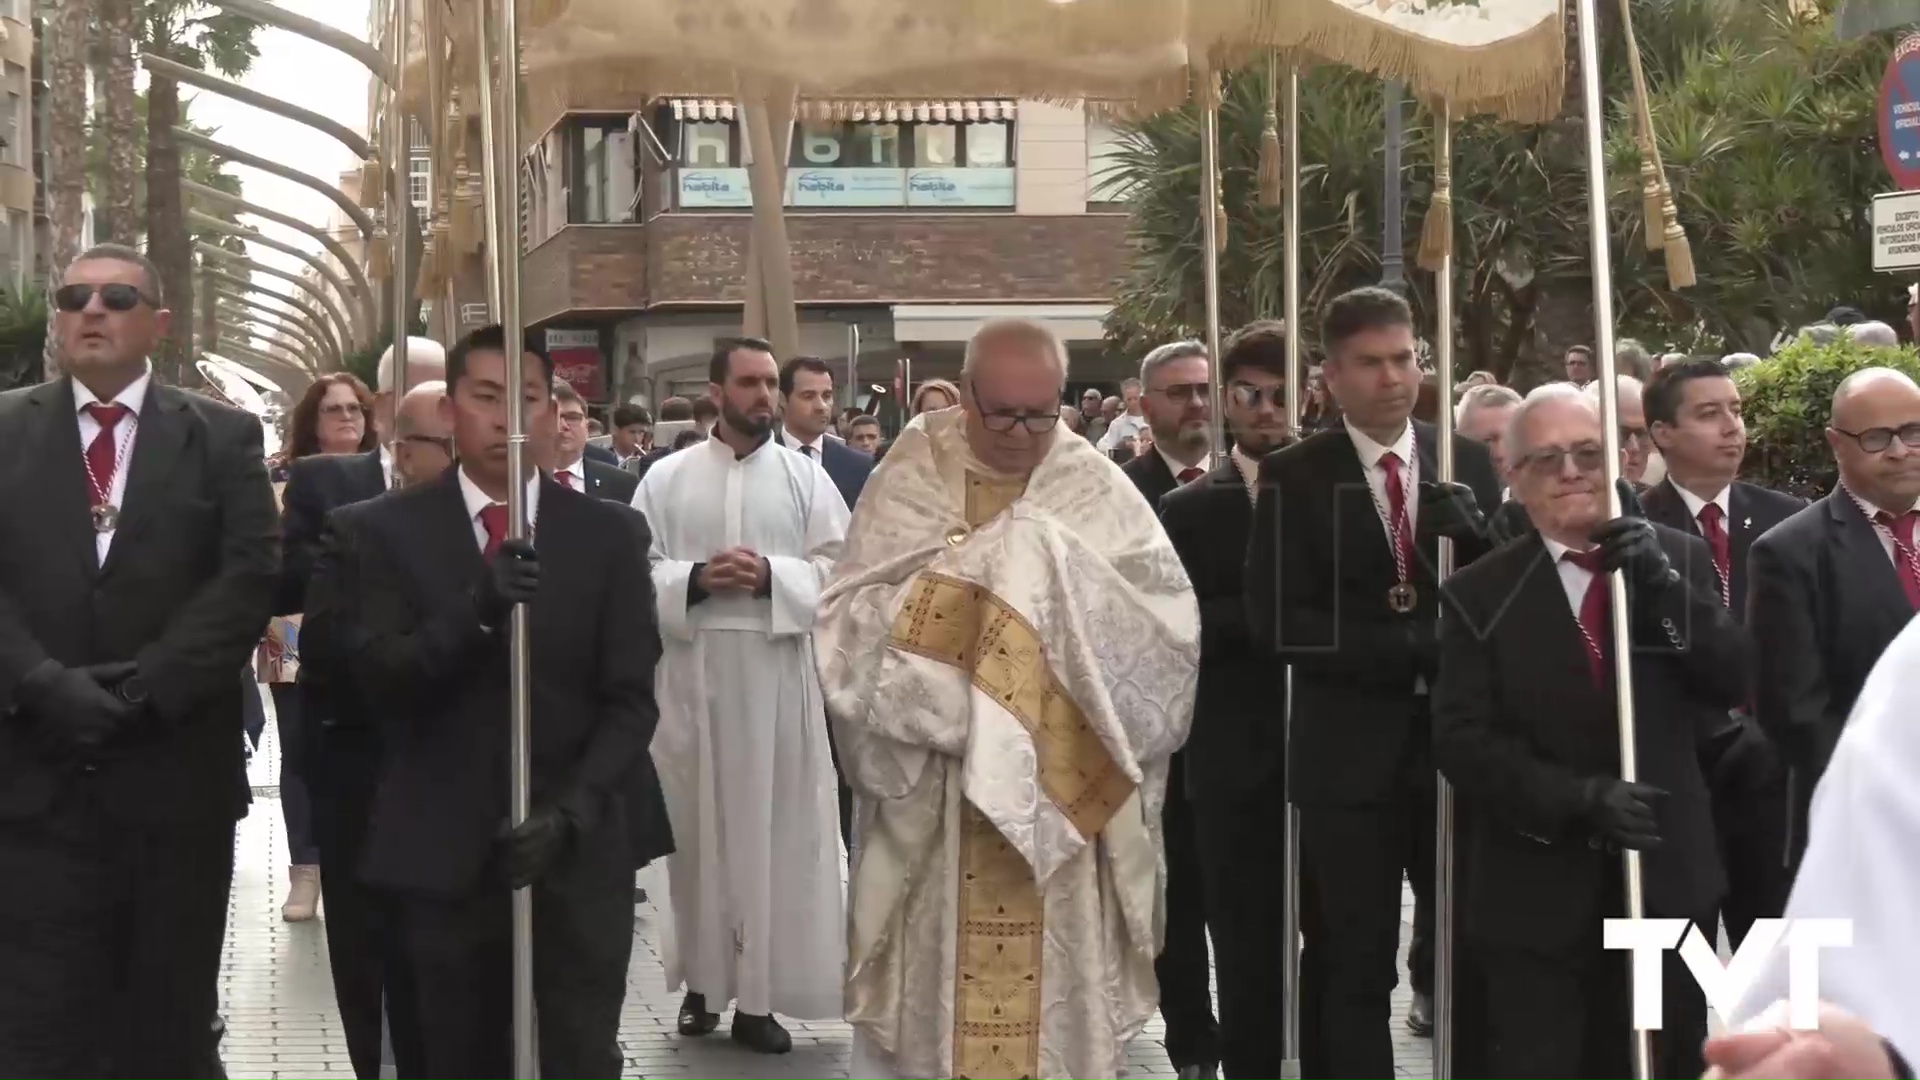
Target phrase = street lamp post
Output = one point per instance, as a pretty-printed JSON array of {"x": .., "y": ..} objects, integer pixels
[{"x": 1393, "y": 211}]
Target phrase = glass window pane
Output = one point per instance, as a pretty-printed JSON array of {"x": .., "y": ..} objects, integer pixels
[
  {"x": 989, "y": 146},
  {"x": 874, "y": 145},
  {"x": 706, "y": 145},
  {"x": 819, "y": 144},
  {"x": 594, "y": 175},
  {"x": 936, "y": 145}
]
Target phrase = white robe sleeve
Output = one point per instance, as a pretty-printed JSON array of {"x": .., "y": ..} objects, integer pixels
[
  {"x": 797, "y": 580},
  {"x": 670, "y": 576}
]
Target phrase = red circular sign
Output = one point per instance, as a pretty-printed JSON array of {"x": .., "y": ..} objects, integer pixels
[{"x": 1900, "y": 114}]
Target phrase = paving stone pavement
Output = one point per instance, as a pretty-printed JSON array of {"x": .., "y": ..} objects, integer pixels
[{"x": 281, "y": 1022}]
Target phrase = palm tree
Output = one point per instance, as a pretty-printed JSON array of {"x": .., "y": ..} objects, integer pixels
[
  {"x": 118, "y": 218},
  {"x": 192, "y": 33},
  {"x": 65, "y": 139}
]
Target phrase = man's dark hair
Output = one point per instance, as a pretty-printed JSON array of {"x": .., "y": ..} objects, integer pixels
[
  {"x": 801, "y": 363},
  {"x": 863, "y": 420},
  {"x": 723, "y": 350},
  {"x": 131, "y": 256},
  {"x": 688, "y": 438},
  {"x": 1577, "y": 350},
  {"x": 675, "y": 408},
  {"x": 564, "y": 393},
  {"x": 492, "y": 338},
  {"x": 1846, "y": 315},
  {"x": 1363, "y": 309},
  {"x": 705, "y": 411},
  {"x": 630, "y": 414},
  {"x": 1260, "y": 345},
  {"x": 1661, "y": 396}
]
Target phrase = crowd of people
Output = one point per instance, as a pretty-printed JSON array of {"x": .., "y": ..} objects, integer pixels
[{"x": 974, "y": 738}]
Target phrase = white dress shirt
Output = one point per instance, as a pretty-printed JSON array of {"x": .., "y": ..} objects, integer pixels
[
  {"x": 1574, "y": 578},
  {"x": 478, "y": 500},
  {"x": 577, "y": 470},
  {"x": 811, "y": 448},
  {"x": 125, "y": 434},
  {"x": 1174, "y": 465},
  {"x": 1880, "y": 531},
  {"x": 386, "y": 466},
  {"x": 1124, "y": 426},
  {"x": 1695, "y": 504},
  {"x": 1249, "y": 470},
  {"x": 1370, "y": 454}
]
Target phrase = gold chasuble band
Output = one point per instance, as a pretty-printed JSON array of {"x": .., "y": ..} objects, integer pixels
[{"x": 997, "y": 993}]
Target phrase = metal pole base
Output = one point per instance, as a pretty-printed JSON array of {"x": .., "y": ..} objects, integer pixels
[{"x": 1290, "y": 1069}]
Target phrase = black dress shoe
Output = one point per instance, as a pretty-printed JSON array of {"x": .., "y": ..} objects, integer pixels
[
  {"x": 761, "y": 1034},
  {"x": 695, "y": 1020},
  {"x": 1206, "y": 1071},
  {"x": 1420, "y": 1015}
]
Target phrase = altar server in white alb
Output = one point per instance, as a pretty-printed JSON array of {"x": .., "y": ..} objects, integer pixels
[
  {"x": 745, "y": 532},
  {"x": 1009, "y": 648}
]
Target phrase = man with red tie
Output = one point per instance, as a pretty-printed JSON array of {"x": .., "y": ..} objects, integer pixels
[
  {"x": 1525, "y": 728},
  {"x": 1693, "y": 415},
  {"x": 139, "y": 566},
  {"x": 1834, "y": 584},
  {"x": 1176, "y": 400},
  {"x": 418, "y": 586},
  {"x": 572, "y": 468}
]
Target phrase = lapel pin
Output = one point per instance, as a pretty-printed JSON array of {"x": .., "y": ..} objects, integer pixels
[{"x": 1747, "y": 524}]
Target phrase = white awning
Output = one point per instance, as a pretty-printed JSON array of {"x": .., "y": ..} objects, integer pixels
[
  {"x": 893, "y": 112},
  {"x": 701, "y": 109},
  {"x": 957, "y": 322}
]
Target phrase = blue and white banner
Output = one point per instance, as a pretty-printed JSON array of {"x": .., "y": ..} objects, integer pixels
[
  {"x": 706, "y": 189},
  {"x": 960, "y": 187}
]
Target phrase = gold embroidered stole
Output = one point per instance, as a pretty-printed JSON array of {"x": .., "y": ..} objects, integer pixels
[{"x": 996, "y": 1027}]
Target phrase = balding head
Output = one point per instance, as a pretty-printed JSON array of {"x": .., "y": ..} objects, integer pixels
[
  {"x": 426, "y": 362},
  {"x": 1875, "y": 437},
  {"x": 1012, "y": 375},
  {"x": 1876, "y": 335},
  {"x": 1634, "y": 439},
  {"x": 423, "y": 436},
  {"x": 419, "y": 412}
]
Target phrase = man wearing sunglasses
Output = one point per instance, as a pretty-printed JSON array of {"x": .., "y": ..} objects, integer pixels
[
  {"x": 1830, "y": 587},
  {"x": 139, "y": 573}
]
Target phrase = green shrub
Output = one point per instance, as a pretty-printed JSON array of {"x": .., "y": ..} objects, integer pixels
[{"x": 1788, "y": 398}]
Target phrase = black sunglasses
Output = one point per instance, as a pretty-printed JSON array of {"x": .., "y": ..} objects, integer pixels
[
  {"x": 116, "y": 296},
  {"x": 1247, "y": 395}
]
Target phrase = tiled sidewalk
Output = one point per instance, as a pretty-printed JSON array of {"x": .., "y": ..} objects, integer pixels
[{"x": 281, "y": 1020}]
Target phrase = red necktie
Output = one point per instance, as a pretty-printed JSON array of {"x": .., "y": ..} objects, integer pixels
[
  {"x": 1189, "y": 474},
  {"x": 493, "y": 519},
  {"x": 1397, "y": 516},
  {"x": 1906, "y": 555},
  {"x": 1593, "y": 610},
  {"x": 103, "y": 453},
  {"x": 566, "y": 479},
  {"x": 1713, "y": 528}
]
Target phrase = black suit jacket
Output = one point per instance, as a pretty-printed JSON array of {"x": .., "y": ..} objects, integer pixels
[
  {"x": 185, "y": 593},
  {"x": 406, "y": 566},
  {"x": 316, "y": 486},
  {"x": 602, "y": 455},
  {"x": 1519, "y": 727},
  {"x": 1318, "y": 568},
  {"x": 1824, "y": 603},
  {"x": 610, "y": 482},
  {"x": 1150, "y": 474},
  {"x": 1751, "y": 511},
  {"x": 1237, "y": 741},
  {"x": 847, "y": 467}
]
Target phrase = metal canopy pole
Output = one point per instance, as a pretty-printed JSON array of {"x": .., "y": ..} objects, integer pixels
[
  {"x": 1209, "y": 88},
  {"x": 1296, "y": 375},
  {"x": 1443, "y": 959},
  {"x": 500, "y": 127},
  {"x": 399, "y": 157},
  {"x": 1602, "y": 262}
]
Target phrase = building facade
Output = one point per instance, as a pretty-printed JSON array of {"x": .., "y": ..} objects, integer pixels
[
  {"x": 910, "y": 222},
  {"x": 20, "y": 196}
]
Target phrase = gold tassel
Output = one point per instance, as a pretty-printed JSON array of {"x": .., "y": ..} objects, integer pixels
[
  {"x": 1650, "y": 198},
  {"x": 1273, "y": 178},
  {"x": 539, "y": 13},
  {"x": 1436, "y": 234},
  {"x": 379, "y": 256},
  {"x": 373, "y": 187},
  {"x": 1679, "y": 251},
  {"x": 1220, "y": 228}
]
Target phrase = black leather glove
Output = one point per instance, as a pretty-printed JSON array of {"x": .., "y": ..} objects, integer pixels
[
  {"x": 1623, "y": 812},
  {"x": 529, "y": 850},
  {"x": 110, "y": 676},
  {"x": 1509, "y": 522},
  {"x": 513, "y": 576},
  {"x": 72, "y": 714},
  {"x": 1628, "y": 543},
  {"x": 1450, "y": 510}
]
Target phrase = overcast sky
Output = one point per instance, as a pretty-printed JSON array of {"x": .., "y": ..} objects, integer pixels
[{"x": 312, "y": 76}]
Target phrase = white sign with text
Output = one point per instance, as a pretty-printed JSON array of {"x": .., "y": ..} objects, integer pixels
[{"x": 1725, "y": 986}]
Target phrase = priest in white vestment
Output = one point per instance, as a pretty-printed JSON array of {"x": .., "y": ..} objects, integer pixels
[
  {"x": 745, "y": 532},
  {"x": 1009, "y": 648},
  {"x": 1862, "y": 863}
]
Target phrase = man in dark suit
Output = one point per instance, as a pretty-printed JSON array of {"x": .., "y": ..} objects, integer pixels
[
  {"x": 1525, "y": 728},
  {"x": 340, "y": 739},
  {"x": 137, "y": 578},
  {"x": 426, "y": 582},
  {"x": 1340, "y": 583},
  {"x": 1693, "y": 417},
  {"x": 1833, "y": 584},
  {"x": 602, "y": 455},
  {"x": 1174, "y": 400},
  {"x": 1232, "y": 770},
  {"x": 806, "y": 411},
  {"x": 573, "y": 466}
]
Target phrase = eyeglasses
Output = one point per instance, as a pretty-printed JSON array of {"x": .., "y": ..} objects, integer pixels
[
  {"x": 1249, "y": 396},
  {"x": 1633, "y": 435},
  {"x": 1587, "y": 458},
  {"x": 1001, "y": 421},
  {"x": 343, "y": 410},
  {"x": 1184, "y": 393},
  {"x": 1876, "y": 440},
  {"x": 115, "y": 296}
]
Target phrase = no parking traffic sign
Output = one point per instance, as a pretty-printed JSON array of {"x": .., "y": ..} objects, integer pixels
[{"x": 1900, "y": 114}]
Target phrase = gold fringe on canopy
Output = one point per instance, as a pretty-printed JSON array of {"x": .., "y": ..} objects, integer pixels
[
  {"x": 1664, "y": 231},
  {"x": 1436, "y": 235},
  {"x": 1272, "y": 174},
  {"x": 535, "y": 14}
]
